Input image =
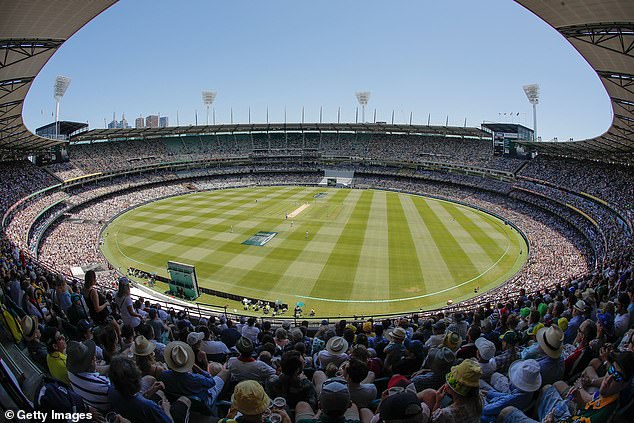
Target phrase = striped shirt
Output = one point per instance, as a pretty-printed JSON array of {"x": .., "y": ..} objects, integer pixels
[{"x": 93, "y": 388}]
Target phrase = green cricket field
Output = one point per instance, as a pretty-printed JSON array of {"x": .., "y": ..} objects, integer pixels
[{"x": 342, "y": 252}]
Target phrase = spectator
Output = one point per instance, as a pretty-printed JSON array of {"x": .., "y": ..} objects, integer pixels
[
  {"x": 83, "y": 375},
  {"x": 126, "y": 399},
  {"x": 56, "y": 359},
  {"x": 550, "y": 341},
  {"x": 335, "y": 405},
  {"x": 291, "y": 384},
  {"x": 578, "y": 316},
  {"x": 335, "y": 353},
  {"x": 596, "y": 407},
  {"x": 194, "y": 339},
  {"x": 184, "y": 378},
  {"x": 403, "y": 407},
  {"x": 123, "y": 300},
  {"x": 32, "y": 336},
  {"x": 143, "y": 351},
  {"x": 525, "y": 379},
  {"x": 462, "y": 387},
  {"x": 245, "y": 367},
  {"x": 437, "y": 365},
  {"x": 250, "y": 330},
  {"x": 250, "y": 399}
]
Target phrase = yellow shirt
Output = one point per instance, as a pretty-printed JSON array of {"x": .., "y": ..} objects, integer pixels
[{"x": 57, "y": 366}]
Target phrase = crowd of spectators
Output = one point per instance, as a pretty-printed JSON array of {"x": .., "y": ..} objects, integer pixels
[
  {"x": 555, "y": 344},
  {"x": 611, "y": 183},
  {"x": 117, "y": 155},
  {"x": 560, "y": 354}
]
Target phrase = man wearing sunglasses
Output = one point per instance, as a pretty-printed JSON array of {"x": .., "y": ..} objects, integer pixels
[{"x": 591, "y": 408}]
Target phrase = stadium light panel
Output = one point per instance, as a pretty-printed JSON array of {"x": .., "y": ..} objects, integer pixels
[
  {"x": 363, "y": 97},
  {"x": 532, "y": 93}
]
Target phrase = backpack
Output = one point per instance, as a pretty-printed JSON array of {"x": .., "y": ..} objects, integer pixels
[
  {"x": 11, "y": 323},
  {"x": 56, "y": 395}
]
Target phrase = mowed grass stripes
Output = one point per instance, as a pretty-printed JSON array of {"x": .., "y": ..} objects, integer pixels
[{"x": 360, "y": 252}]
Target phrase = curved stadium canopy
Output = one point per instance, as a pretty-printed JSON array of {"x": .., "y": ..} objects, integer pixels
[{"x": 601, "y": 30}]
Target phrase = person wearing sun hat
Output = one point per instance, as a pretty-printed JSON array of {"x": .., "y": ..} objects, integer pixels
[
  {"x": 485, "y": 352},
  {"x": 250, "y": 400},
  {"x": 335, "y": 352},
  {"x": 578, "y": 316},
  {"x": 452, "y": 340},
  {"x": 32, "y": 336},
  {"x": 245, "y": 367},
  {"x": 599, "y": 407},
  {"x": 395, "y": 350},
  {"x": 185, "y": 379},
  {"x": 525, "y": 379},
  {"x": 437, "y": 364},
  {"x": 144, "y": 356},
  {"x": 550, "y": 340},
  {"x": 462, "y": 386}
]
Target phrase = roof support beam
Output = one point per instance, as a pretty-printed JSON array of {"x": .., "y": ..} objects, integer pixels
[
  {"x": 614, "y": 36},
  {"x": 14, "y": 51}
]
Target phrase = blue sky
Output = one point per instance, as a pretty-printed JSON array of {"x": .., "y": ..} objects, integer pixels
[{"x": 456, "y": 58}]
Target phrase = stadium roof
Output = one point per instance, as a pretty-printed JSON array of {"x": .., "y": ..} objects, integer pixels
[
  {"x": 30, "y": 33},
  {"x": 601, "y": 30},
  {"x": 63, "y": 127},
  {"x": 504, "y": 127},
  {"x": 174, "y": 131}
]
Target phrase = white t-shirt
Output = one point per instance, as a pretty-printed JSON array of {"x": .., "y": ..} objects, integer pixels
[
  {"x": 251, "y": 332},
  {"x": 123, "y": 304},
  {"x": 249, "y": 370},
  {"x": 324, "y": 357}
]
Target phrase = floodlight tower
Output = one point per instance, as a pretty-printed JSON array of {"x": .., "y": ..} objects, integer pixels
[
  {"x": 61, "y": 85},
  {"x": 363, "y": 97},
  {"x": 208, "y": 99},
  {"x": 532, "y": 93}
]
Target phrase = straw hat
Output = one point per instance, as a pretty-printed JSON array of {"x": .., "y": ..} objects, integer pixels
[
  {"x": 551, "y": 340},
  {"x": 142, "y": 346},
  {"x": 397, "y": 335},
  {"x": 580, "y": 306},
  {"x": 526, "y": 375},
  {"x": 28, "y": 325},
  {"x": 452, "y": 340},
  {"x": 336, "y": 345},
  {"x": 179, "y": 356}
]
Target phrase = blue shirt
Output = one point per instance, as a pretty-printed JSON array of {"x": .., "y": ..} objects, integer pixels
[
  {"x": 552, "y": 369},
  {"x": 573, "y": 327},
  {"x": 192, "y": 385},
  {"x": 495, "y": 401},
  {"x": 138, "y": 408}
]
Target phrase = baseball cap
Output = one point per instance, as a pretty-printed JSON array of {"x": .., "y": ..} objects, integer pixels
[
  {"x": 486, "y": 348},
  {"x": 334, "y": 399}
]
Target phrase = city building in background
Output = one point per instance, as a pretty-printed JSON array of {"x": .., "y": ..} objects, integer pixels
[
  {"x": 122, "y": 124},
  {"x": 163, "y": 122},
  {"x": 139, "y": 122},
  {"x": 152, "y": 121}
]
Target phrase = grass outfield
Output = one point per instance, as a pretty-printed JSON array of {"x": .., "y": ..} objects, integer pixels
[{"x": 367, "y": 252}]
